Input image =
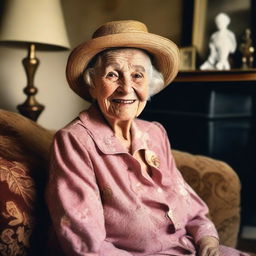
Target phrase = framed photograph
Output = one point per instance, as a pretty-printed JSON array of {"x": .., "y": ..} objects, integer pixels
[
  {"x": 187, "y": 58},
  {"x": 198, "y": 27},
  {"x": 203, "y": 21}
]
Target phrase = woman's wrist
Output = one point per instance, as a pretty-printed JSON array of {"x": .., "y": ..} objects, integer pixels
[{"x": 208, "y": 244}]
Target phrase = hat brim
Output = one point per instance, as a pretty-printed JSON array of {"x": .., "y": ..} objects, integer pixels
[{"x": 165, "y": 56}]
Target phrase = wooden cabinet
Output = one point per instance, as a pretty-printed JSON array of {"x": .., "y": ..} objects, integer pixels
[
  {"x": 234, "y": 75},
  {"x": 213, "y": 113}
]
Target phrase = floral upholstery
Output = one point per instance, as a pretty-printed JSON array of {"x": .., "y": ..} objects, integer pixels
[
  {"x": 22, "y": 177},
  {"x": 16, "y": 212},
  {"x": 24, "y": 149}
]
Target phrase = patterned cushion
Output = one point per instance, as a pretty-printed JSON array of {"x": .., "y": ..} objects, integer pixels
[
  {"x": 17, "y": 190},
  {"x": 23, "y": 215}
]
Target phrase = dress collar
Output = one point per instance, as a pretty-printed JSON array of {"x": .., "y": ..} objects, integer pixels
[{"x": 100, "y": 131}]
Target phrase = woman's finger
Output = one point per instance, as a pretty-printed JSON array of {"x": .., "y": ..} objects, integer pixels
[
  {"x": 213, "y": 251},
  {"x": 203, "y": 251}
]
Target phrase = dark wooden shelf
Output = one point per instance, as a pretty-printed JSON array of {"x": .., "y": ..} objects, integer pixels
[{"x": 217, "y": 76}]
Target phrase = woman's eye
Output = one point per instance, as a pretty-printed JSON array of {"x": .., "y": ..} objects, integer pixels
[
  {"x": 137, "y": 75},
  {"x": 112, "y": 75}
]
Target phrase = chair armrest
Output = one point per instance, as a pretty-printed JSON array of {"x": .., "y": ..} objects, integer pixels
[{"x": 219, "y": 186}]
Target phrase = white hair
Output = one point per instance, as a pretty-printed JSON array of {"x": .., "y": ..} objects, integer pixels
[{"x": 155, "y": 77}]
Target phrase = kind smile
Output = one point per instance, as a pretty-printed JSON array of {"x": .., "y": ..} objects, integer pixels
[{"x": 123, "y": 101}]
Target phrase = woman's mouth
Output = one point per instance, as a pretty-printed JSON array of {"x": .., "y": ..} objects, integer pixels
[{"x": 121, "y": 101}]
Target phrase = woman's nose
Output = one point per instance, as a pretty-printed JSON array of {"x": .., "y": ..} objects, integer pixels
[{"x": 126, "y": 86}]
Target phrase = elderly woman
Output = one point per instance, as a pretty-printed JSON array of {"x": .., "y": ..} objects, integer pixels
[{"x": 114, "y": 189}]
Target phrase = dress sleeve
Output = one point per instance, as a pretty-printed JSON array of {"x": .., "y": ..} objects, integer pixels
[
  {"x": 74, "y": 201},
  {"x": 198, "y": 224}
]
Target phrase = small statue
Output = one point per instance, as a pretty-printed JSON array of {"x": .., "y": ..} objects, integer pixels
[
  {"x": 222, "y": 43},
  {"x": 247, "y": 50}
]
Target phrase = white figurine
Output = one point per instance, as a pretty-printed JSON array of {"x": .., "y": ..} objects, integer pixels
[{"x": 222, "y": 43}]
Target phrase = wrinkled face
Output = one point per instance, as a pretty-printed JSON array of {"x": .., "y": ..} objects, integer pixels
[{"x": 121, "y": 84}]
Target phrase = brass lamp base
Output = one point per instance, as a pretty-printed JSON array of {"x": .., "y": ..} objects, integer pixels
[
  {"x": 30, "y": 108},
  {"x": 32, "y": 112}
]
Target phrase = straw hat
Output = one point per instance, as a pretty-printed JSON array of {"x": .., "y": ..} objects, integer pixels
[{"x": 126, "y": 33}]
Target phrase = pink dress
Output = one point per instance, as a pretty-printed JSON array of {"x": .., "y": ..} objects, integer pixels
[{"x": 101, "y": 203}]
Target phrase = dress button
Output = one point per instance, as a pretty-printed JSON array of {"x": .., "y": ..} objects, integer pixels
[{"x": 159, "y": 190}]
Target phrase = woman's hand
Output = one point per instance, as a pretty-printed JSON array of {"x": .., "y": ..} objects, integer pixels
[{"x": 208, "y": 246}]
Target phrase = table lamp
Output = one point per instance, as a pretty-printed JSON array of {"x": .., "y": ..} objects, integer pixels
[{"x": 36, "y": 24}]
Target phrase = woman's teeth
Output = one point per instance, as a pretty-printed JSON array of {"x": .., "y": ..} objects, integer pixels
[{"x": 123, "y": 101}]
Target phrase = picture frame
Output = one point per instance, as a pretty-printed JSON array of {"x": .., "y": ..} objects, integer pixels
[
  {"x": 187, "y": 58},
  {"x": 198, "y": 25}
]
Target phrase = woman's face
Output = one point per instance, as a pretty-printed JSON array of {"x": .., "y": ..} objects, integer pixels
[{"x": 121, "y": 83}]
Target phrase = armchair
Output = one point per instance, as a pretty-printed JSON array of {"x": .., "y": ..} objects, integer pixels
[{"x": 24, "y": 148}]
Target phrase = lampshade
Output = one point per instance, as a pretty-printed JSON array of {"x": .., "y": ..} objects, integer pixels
[
  {"x": 38, "y": 24},
  {"x": 34, "y": 21}
]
